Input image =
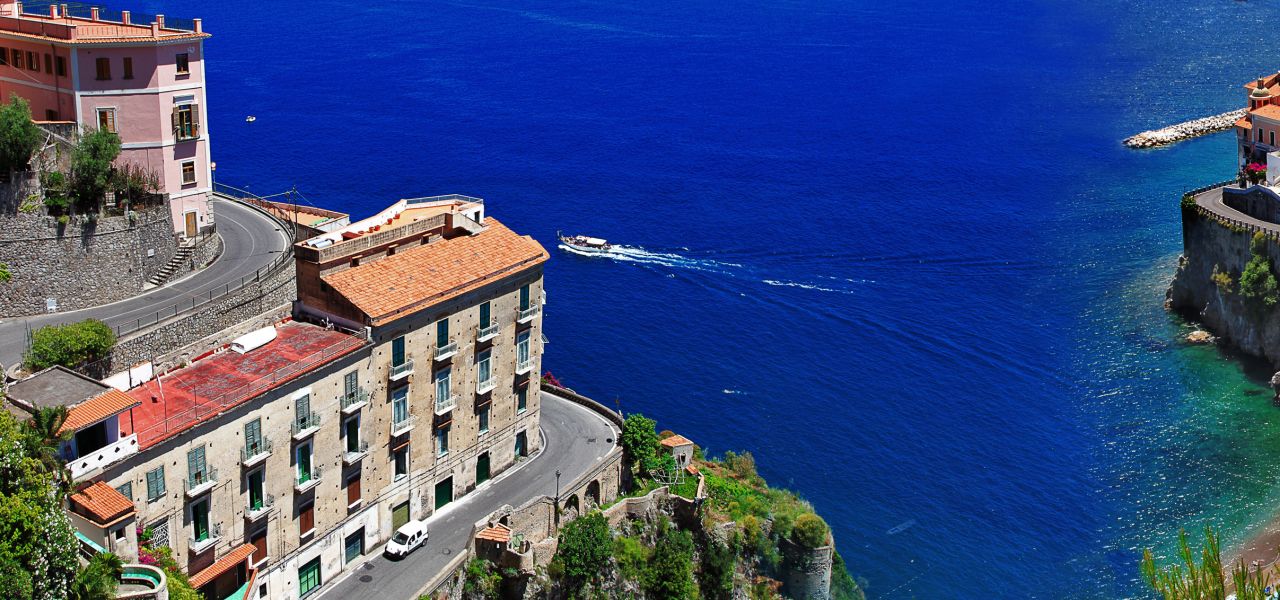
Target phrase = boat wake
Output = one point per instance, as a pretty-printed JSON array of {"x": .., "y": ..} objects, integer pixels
[{"x": 636, "y": 254}]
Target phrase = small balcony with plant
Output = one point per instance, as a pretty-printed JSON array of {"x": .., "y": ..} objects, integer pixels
[
  {"x": 355, "y": 452},
  {"x": 354, "y": 400},
  {"x": 204, "y": 538},
  {"x": 305, "y": 425},
  {"x": 259, "y": 507},
  {"x": 308, "y": 478},
  {"x": 199, "y": 482},
  {"x": 254, "y": 452}
]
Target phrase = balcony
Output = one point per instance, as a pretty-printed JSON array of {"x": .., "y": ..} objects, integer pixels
[
  {"x": 253, "y": 513},
  {"x": 484, "y": 386},
  {"x": 487, "y": 333},
  {"x": 255, "y": 453},
  {"x": 214, "y": 534},
  {"x": 307, "y": 481},
  {"x": 402, "y": 426},
  {"x": 305, "y": 425},
  {"x": 107, "y": 455},
  {"x": 446, "y": 351},
  {"x": 201, "y": 482},
  {"x": 402, "y": 370},
  {"x": 524, "y": 366},
  {"x": 354, "y": 401},
  {"x": 351, "y": 457},
  {"x": 527, "y": 314},
  {"x": 444, "y": 405},
  {"x": 141, "y": 582}
]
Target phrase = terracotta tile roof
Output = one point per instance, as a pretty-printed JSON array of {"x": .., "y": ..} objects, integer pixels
[
  {"x": 691, "y": 469},
  {"x": 109, "y": 403},
  {"x": 497, "y": 533},
  {"x": 102, "y": 503},
  {"x": 1267, "y": 111},
  {"x": 223, "y": 565},
  {"x": 392, "y": 287},
  {"x": 676, "y": 440}
]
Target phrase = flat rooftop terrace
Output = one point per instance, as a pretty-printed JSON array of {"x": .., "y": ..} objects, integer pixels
[{"x": 184, "y": 398}]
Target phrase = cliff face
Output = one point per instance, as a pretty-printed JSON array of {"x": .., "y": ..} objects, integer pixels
[{"x": 1208, "y": 244}]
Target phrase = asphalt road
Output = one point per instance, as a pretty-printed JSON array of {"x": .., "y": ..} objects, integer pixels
[
  {"x": 576, "y": 439},
  {"x": 251, "y": 241}
]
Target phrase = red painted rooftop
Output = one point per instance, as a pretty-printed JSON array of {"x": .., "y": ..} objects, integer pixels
[{"x": 192, "y": 395}]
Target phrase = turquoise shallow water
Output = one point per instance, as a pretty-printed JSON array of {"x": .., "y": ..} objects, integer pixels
[{"x": 894, "y": 249}]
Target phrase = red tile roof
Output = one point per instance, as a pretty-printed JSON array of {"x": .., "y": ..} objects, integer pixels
[
  {"x": 102, "y": 503},
  {"x": 392, "y": 287},
  {"x": 223, "y": 565},
  {"x": 1268, "y": 111},
  {"x": 676, "y": 440},
  {"x": 105, "y": 405},
  {"x": 497, "y": 533}
]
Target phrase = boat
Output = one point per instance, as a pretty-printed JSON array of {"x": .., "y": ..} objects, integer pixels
[{"x": 584, "y": 243}]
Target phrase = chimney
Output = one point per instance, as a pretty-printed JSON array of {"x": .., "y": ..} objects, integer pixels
[
  {"x": 53, "y": 11},
  {"x": 65, "y": 12},
  {"x": 17, "y": 9},
  {"x": 124, "y": 17},
  {"x": 94, "y": 14},
  {"x": 199, "y": 25},
  {"x": 160, "y": 21},
  {"x": 155, "y": 29}
]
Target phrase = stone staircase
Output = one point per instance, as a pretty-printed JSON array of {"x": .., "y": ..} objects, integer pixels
[{"x": 174, "y": 265}]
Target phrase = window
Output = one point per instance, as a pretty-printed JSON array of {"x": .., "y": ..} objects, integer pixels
[
  {"x": 307, "y": 519},
  {"x": 1259, "y": 134},
  {"x": 522, "y": 349},
  {"x": 128, "y": 67},
  {"x": 196, "y": 466},
  {"x": 60, "y": 66},
  {"x": 524, "y": 297},
  {"x": 1272, "y": 136},
  {"x": 351, "y": 385},
  {"x": 442, "y": 333},
  {"x": 304, "y": 463},
  {"x": 256, "y": 498},
  {"x": 352, "y": 430},
  {"x": 4, "y": 56},
  {"x": 200, "y": 520},
  {"x": 126, "y": 490},
  {"x": 442, "y": 385},
  {"x": 485, "y": 315},
  {"x": 253, "y": 437},
  {"x": 309, "y": 577},
  {"x": 400, "y": 405},
  {"x": 522, "y": 400},
  {"x": 484, "y": 420},
  {"x": 353, "y": 488},
  {"x": 484, "y": 370},
  {"x": 186, "y": 122},
  {"x": 188, "y": 172},
  {"x": 17, "y": 58},
  {"x": 33, "y": 61},
  {"x": 50, "y": 114},
  {"x": 183, "y": 62},
  {"x": 155, "y": 484},
  {"x": 397, "y": 351},
  {"x": 401, "y": 459},
  {"x": 48, "y": 64},
  {"x": 120, "y": 533},
  {"x": 104, "y": 69},
  {"x": 259, "y": 541},
  {"x": 107, "y": 119},
  {"x": 442, "y": 441},
  {"x": 302, "y": 411}
]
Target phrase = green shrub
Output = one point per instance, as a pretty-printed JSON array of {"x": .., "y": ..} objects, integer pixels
[
  {"x": 91, "y": 167},
  {"x": 715, "y": 577},
  {"x": 5, "y": 274},
  {"x": 584, "y": 547},
  {"x": 843, "y": 587},
  {"x": 632, "y": 556},
  {"x": 1188, "y": 202},
  {"x": 1222, "y": 279},
  {"x": 639, "y": 439},
  {"x": 743, "y": 465},
  {"x": 1258, "y": 281},
  {"x": 810, "y": 531},
  {"x": 482, "y": 578},
  {"x": 670, "y": 572},
  {"x": 19, "y": 136},
  {"x": 69, "y": 345}
]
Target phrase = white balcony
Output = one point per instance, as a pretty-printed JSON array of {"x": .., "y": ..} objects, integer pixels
[
  {"x": 253, "y": 514},
  {"x": 107, "y": 455},
  {"x": 485, "y": 386},
  {"x": 354, "y": 401},
  {"x": 306, "y": 425},
  {"x": 526, "y": 315},
  {"x": 487, "y": 333},
  {"x": 524, "y": 366},
  {"x": 402, "y": 370},
  {"x": 351, "y": 457},
  {"x": 306, "y": 482},
  {"x": 254, "y": 454},
  {"x": 446, "y": 404},
  {"x": 214, "y": 534},
  {"x": 446, "y": 351},
  {"x": 402, "y": 426},
  {"x": 199, "y": 483}
]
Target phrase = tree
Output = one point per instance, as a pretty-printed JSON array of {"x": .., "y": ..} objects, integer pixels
[
  {"x": 1258, "y": 281},
  {"x": 810, "y": 531},
  {"x": 19, "y": 135},
  {"x": 98, "y": 580},
  {"x": 585, "y": 544},
  {"x": 134, "y": 183},
  {"x": 35, "y": 532},
  {"x": 639, "y": 439},
  {"x": 91, "y": 169},
  {"x": 715, "y": 578},
  {"x": 1204, "y": 581},
  {"x": 670, "y": 574},
  {"x": 69, "y": 345}
]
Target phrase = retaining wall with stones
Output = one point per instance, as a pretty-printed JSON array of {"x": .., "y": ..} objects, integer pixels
[{"x": 85, "y": 263}]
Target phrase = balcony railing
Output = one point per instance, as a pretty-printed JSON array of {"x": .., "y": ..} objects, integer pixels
[
  {"x": 253, "y": 513},
  {"x": 444, "y": 405},
  {"x": 306, "y": 425},
  {"x": 350, "y": 457},
  {"x": 527, "y": 314},
  {"x": 484, "y": 386},
  {"x": 109, "y": 454},
  {"x": 402, "y": 370},
  {"x": 255, "y": 452},
  {"x": 211, "y": 537},
  {"x": 487, "y": 333},
  {"x": 354, "y": 401},
  {"x": 446, "y": 351},
  {"x": 402, "y": 426},
  {"x": 307, "y": 481},
  {"x": 524, "y": 366},
  {"x": 201, "y": 482}
]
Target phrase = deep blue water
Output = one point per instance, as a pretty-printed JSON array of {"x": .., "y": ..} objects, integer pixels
[{"x": 893, "y": 249}]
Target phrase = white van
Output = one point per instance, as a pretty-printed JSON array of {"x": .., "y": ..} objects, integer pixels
[{"x": 407, "y": 539}]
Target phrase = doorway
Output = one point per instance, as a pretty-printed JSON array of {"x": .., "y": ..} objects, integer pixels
[
  {"x": 191, "y": 224},
  {"x": 444, "y": 492}
]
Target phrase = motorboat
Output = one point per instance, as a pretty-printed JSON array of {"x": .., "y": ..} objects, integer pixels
[{"x": 584, "y": 243}]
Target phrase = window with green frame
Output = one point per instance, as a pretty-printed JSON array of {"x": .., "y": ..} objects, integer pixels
[
  {"x": 522, "y": 399},
  {"x": 484, "y": 315},
  {"x": 442, "y": 332},
  {"x": 200, "y": 520},
  {"x": 309, "y": 577}
]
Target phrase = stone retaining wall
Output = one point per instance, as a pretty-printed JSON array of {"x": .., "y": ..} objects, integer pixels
[{"x": 82, "y": 264}]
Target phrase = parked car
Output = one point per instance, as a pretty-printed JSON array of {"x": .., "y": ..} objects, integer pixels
[{"x": 407, "y": 539}]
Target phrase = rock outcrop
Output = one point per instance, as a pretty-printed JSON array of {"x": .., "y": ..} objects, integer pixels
[{"x": 1186, "y": 130}]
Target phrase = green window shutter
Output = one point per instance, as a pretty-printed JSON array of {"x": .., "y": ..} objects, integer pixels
[
  {"x": 195, "y": 462},
  {"x": 351, "y": 382},
  {"x": 303, "y": 406},
  {"x": 253, "y": 434},
  {"x": 126, "y": 490},
  {"x": 155, "y": 483},
  {"x": 484, "y": 315}
]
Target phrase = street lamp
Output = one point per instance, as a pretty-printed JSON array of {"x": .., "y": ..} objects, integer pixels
[{"x": 557, "y": 486}]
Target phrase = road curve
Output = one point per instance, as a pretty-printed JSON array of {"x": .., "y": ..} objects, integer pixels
[
  {"x": 577, "y": 438},
  {"x": 251, "y": 240},
  {"x": 1211, "y": 200}
]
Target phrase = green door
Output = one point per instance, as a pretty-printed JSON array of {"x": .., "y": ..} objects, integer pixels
[
  {"x": 255, "y": 490},
  {"x": 397, "y": 351},
  {"x": 354, "y": 546},
  {"x": 200, "y": 520},
  {"x": 482, "y": 468},
  {"x": 520, "y": 441},
  {"x": 444, "y": 492},
  {"x": 399, "y": 516},
  {"x": 309, "y": 577}
]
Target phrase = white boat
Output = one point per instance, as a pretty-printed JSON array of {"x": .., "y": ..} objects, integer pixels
[{"x": 584, "y": 243}]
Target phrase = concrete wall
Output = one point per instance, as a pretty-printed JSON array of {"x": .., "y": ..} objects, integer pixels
[{"x": 82, "y": 264}]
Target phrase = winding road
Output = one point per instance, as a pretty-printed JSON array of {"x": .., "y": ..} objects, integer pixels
[
  {"x": 251, "y": 240},
  {"x": 575, "y": 439}
]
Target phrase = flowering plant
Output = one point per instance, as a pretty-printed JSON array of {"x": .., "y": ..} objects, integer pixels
[{"x": 1256, "y": 167}]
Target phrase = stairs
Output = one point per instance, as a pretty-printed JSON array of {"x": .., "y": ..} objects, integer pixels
[{"x": 175, "y": 264}]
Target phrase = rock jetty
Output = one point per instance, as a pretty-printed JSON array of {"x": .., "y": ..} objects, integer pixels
[{"x": 1189, "y": 129}]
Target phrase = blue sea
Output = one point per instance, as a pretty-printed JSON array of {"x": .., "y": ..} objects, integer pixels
[{"x": 894, "y": 249}]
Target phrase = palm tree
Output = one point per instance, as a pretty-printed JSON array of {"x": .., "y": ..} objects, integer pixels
[
  {"x": 98, "y": 579},
  {"x": 45, "y": 437}
]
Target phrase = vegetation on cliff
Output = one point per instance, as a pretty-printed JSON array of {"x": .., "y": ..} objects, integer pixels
[
  {"x": 1189, "y": 580},
  {"x": 1258, "y": 280}
]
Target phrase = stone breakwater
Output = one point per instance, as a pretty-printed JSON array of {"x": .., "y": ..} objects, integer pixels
[{"x": 1186, "y": 130}]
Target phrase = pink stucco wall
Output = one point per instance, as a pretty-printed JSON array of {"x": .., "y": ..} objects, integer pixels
[{"x": 45, "y": 91}]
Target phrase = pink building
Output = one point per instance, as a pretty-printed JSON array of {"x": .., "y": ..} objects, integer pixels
[{"x": 141, "y": 77}]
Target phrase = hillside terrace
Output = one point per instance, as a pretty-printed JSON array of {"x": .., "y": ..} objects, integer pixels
[{"x": 186, "y": 397}]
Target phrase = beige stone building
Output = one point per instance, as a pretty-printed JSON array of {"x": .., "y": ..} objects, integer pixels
[{"x": 408, "y": 375}]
